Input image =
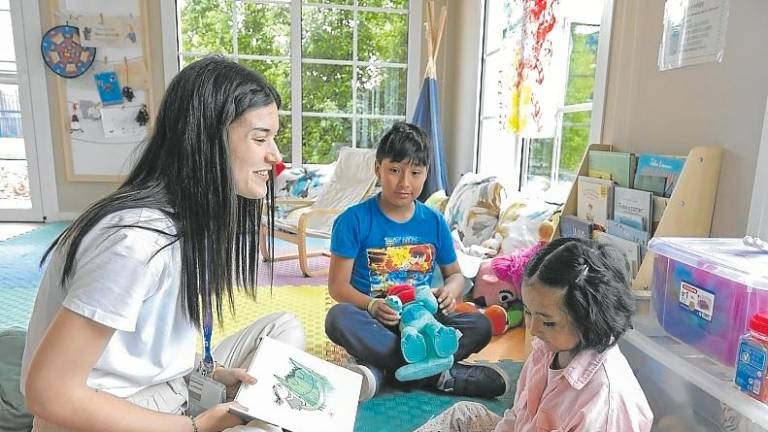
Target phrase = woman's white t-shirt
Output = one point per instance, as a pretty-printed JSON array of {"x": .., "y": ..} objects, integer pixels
[{"x": 120, "y": 280}]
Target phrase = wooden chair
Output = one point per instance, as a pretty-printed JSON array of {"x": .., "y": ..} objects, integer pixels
[{"x": 353, "y": 180}]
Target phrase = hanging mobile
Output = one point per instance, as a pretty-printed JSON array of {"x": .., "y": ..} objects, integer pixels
[
  {"x": 127, "y": 92},
  {"x": 142, "y": 118}
]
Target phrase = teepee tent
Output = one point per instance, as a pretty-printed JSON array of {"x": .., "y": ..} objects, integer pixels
[{"x": 427, "y": 113}]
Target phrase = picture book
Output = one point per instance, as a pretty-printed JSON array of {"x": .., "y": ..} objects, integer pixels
[
  {"x": 628, "y": 233},
  {"x": 655, "y": 165},
  {"x": 630, "y": 249},
  {"x": 634, "y": 221},
  {"x": 298, "y": 391},
  {"x": 659, "y": 205},
  {"x": 655, "y": 185},
  {"x": 594, "y": 199},
  {"x": 635, "y": 205},
  {"x": 572, "y": 226},
  {"x": 619, "y": 165}
]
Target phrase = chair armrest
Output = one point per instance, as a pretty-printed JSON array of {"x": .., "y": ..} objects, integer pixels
[{"x": 305, "y": 217}]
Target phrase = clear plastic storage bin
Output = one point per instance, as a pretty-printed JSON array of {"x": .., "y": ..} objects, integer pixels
[{"x": 704, "y": 291}]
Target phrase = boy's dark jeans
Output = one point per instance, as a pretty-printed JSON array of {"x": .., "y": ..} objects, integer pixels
[{"x": 375, "y": 345}]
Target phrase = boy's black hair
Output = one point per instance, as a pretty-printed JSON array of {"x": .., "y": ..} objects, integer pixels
[
  {"x": 404, "y": 142},
  {"x": 596, "y": 281}
]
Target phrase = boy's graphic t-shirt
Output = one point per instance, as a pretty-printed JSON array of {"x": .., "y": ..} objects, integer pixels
[{"x": 387, "y": 252}]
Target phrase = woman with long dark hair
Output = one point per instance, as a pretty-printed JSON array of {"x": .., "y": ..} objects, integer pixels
[{"x": 112, "y": 338}]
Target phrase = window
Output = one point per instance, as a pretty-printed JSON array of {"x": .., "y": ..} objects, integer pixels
[
  {"x": 542, "y": 164},
  {"x": 339, "y": 65}
]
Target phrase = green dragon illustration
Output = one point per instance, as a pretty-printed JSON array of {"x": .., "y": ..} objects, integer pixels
[{"x": 302, "y": 388}]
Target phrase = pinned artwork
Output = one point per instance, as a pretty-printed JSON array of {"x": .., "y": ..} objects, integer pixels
[
  {"x": 121, "y": 122},
  {"x": 63, "y": 53},
  {"x": 91, "y": 110},
  {"x": 109, "y": 88},
  {"x": 104, "y": 31}
]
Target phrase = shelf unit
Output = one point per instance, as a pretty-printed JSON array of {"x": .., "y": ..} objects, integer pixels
[{"x": 690, "y": 208}]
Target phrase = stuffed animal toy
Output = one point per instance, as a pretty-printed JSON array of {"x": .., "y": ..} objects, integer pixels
[
  {"x": 499, "y": 281},
  {"x": 427, "y": 345}
]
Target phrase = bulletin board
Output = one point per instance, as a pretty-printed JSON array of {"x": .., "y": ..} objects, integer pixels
[{"x": 100, "y": 128}]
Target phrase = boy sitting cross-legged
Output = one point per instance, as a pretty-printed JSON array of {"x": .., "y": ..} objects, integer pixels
[{"x": 393, "y": 239}]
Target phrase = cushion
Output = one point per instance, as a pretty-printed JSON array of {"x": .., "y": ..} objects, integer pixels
[
  {"x": 13, "y": 411},
  {"x": 473, "y": 208},
  {"x": 519, "y": 223}
]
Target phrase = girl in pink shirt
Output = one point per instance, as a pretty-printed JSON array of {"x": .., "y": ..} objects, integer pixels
[{"x": 577, "y": 306}]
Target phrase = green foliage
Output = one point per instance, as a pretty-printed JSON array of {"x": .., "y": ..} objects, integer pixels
[{"x": 265, "y": 29}]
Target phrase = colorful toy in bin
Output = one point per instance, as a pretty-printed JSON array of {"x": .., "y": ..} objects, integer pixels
[
  {"x": 752, "y": 358},
  {"x": 704, "y": 291}
]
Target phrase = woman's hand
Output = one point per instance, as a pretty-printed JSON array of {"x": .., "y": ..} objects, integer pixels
[
  {"x": 218, "y": 418},
  {"x": 232, "y": 377},
  {"x": 445, "y": 299},
  {"x": 380, "y": 310}
]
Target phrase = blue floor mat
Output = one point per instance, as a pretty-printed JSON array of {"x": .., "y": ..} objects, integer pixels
[
  {"x": 396, "y": 410},
  {"x": 20, "y": 272}
]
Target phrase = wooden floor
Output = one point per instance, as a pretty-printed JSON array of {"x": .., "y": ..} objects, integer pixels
[{"x": 509, "y": 346}]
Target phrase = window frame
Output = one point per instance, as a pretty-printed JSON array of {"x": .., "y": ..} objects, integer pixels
[{"x": 172, "y": 56}]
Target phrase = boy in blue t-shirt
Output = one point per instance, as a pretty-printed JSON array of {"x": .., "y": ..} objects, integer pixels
[{"x": 392, "y": 239}]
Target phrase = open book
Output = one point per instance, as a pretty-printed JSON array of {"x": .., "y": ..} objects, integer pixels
[{"x": 298, "y": 391}]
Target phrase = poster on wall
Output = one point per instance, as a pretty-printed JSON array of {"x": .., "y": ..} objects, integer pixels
[{"x": 694, "y": 33}]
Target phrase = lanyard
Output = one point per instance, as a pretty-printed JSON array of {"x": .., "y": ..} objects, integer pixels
[{"x": 207, "y": 365}]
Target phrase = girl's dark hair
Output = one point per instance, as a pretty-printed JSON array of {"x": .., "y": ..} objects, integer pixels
[
  {"x": 404, "y": 141},
  {"x": 184, "y": 171},
  {"x": 596, "y": 280}
]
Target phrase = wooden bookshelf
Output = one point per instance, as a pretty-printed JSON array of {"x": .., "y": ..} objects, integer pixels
[{"x": 690, "y": 209}]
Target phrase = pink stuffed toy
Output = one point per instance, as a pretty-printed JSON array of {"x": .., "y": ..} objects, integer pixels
[{"x": 499, "y": 281}]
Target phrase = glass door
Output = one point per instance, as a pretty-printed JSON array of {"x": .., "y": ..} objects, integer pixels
[{"x": 19, "y": 182}]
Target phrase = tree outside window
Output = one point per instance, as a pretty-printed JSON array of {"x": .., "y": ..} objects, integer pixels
[{"x": 352, "y": 67}]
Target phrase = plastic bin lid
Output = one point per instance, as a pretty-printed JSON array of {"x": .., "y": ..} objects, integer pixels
[{"x": 726, "y": 257}]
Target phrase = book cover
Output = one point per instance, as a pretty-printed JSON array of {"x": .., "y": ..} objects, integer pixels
[
  {"x": 633, "y": 202},
  {"x": 659, "y": 205},
  {"x": 655, "y": 165},
  {"x": 630, "y": 249},
  {"x": 620, "y": 165},
  {"x": 594, "y": 199},
  {"x": 634, "y": 221},
  {"x": 628, "y": 233},
  {"x": 572, "y": 226},
  {"x": 298, "y": 391},
  {"x": 655, "y": 185},
  {"x": 605, "y": 175}
]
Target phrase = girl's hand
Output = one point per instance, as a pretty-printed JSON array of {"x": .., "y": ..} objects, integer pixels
[
  {"x": 386, "y": 315},
  {"x": 232, "y": 377},
  {"x": 218, "y": 418},
  {"x": 445, "y": 300}
]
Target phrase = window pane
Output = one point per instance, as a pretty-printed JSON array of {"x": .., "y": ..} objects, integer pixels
[
  {"x": 539, "y": 164},
  {"x": 186, "y": 60},
  {"x": 14, "y": 176},
  {"x": 7, "y": 51},
  {"x": 370, "y": 131},
  {"x": 383, "y": 37},
  {"x": 583, "y": 64},
  {"x": 327, "y": 88},
  {"x": 323, "y": 137},
  {"x": 5, "y": 4},
  {"x": 341, "y": 2},
  {"x": 284, "y": 137},
  {"x": 206, "y": 26},
  {"x": 264, "y": 29},
  {"x": 574, "y": 143},
  {"x": 278, "y": 73},
  {"x": 381, "y": 90},
  {"x": 399, "y": 4},
  {"x": 326, "y": 33}
]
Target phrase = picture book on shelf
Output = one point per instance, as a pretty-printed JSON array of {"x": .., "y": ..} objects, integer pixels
[
  {"x": 655, "y": 165},
  {"x": 634, "y": 205},
  {"x": 594, "y": 199},
  {"x": 628, "y": 233},
  {"x": 630, "y": 249},
  {"x": 616, "y": 166},
  {"x": 572, "y": 226},
  {"x": 298, "y": 391},
  {"x": 655, "y": 185}
]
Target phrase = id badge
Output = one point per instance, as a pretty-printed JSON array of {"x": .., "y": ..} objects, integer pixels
[{"x": 204, "y": 393}]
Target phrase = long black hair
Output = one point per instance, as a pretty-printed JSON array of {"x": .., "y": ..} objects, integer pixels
[
  {"x": 185, "y": 172},
  {"x": 595, "y": 277}
]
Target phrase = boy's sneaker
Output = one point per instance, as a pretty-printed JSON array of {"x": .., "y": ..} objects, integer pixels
[
  {"x": 370, "y": 384},
  {"x": 483, "y": 380}
]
